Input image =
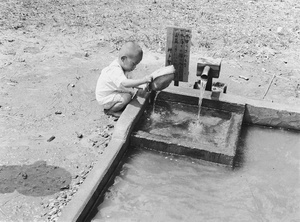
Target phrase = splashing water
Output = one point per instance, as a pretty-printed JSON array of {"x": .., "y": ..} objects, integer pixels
[
  {"x": 196, "y": 129},
  {"x": 202, "y": 86},
  {"x": 154, "y": 115}
]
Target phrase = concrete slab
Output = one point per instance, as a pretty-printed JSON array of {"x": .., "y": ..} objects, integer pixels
[
  {"x": 257, "y": 112},
  {"x": 163, "y": 144},
  {"x": 89, "y": 192}
]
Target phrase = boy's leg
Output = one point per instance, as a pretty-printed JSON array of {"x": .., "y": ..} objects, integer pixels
[{"x": 119, "y": 102}]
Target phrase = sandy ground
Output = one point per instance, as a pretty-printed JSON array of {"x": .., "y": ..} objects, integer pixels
[{"x": 53, "y": 131}]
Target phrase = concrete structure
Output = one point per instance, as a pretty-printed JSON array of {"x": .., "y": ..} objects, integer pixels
[
  {"x": 256, "y": 112},
  {"x": 217, "y": 144}
]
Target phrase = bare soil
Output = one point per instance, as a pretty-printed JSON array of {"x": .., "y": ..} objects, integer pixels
[{"x": 52, "y": 52}]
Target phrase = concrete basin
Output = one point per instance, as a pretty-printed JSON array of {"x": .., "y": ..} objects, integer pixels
[{"x": 246, "y": 111}]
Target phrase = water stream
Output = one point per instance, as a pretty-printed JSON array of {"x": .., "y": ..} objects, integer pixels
[
  {"x": 202, "y": 86},
  {"x": 154, "y": 101},
  {"x": 155, "y": 115}
]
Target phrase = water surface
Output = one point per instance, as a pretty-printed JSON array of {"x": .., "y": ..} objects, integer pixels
[
  {"x": 265, "y": 185},
  {"x": 180, "y": 123}
]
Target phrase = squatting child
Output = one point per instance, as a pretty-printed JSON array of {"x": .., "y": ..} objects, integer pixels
[{"x": 114, "y": 88}]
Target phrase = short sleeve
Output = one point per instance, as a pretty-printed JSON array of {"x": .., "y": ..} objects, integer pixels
[{"x": 118, "y": 77}]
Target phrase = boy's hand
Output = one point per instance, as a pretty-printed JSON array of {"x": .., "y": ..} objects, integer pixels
[{"x": 148, "y": 78}]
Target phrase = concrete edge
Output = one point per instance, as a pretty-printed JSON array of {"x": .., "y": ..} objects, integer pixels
[
  {"x": 88, "y": 193},
  {"x": 131, "y": 115},
  {"x": 257, "y": 112},
  {"x": 191, "y": 96},
  {"x": 142, "y": 139}
]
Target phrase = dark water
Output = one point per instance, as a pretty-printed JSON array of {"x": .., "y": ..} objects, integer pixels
[{"x": 265, "y": 185}]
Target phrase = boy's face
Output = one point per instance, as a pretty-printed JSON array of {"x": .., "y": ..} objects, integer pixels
[{"x": 129, "y": 63}]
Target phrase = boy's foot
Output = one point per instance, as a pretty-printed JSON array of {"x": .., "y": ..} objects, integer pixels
[{"x": 114, "y": 114}]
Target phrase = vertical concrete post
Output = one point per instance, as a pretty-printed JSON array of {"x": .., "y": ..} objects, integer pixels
[{"x": 178, "y": 52}]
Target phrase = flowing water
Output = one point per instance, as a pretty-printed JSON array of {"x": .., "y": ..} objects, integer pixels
[
  {"x": 202, "y": 86},
  {"x": 155, "y": 115},
  {"x": 265, "y": 185},
  {"x": 179, "y": 122}
]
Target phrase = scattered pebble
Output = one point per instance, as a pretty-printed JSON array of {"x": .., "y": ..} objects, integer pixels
[
  {"x": 79, "y": 135},
  {"x": 280, "y": 31},
  {"x": 65, "y": 187},
  {"x": 244, "y": 77},
  {"x": 56, "y": 205},
  {"x": 24, "y": 176},
  {"x": 51, "y": 138}
]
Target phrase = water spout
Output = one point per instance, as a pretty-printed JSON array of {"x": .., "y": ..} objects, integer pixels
[{"x": 202, "y": 86}]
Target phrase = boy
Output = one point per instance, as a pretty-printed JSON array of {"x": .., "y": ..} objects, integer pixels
[{"x": 114, "y": 89}]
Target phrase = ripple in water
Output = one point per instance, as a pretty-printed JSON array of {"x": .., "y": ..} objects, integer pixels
[{"x": 155, "y": 186}]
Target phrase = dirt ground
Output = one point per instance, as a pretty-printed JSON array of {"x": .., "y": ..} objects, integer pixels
[{"x": 52, "y": 52}]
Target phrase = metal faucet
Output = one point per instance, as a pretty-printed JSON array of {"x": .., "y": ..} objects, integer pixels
[{"x": 207, "y": 69}]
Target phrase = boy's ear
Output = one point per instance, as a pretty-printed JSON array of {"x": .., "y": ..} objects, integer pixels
[{"x": 123, "y": 58}]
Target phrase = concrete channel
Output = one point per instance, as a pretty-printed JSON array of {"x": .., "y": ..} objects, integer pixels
[{"x": 253, "y": 112}]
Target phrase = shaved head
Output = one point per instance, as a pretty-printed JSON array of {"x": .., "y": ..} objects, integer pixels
[
  {"x": 131, "y": 50},
  {"x": 130, "y": 55}
]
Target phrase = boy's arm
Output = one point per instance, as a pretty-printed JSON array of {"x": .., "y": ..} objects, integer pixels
[{"x": 136, "y": 82}]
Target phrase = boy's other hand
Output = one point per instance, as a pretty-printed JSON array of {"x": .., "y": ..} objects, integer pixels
[{"x": 148, "y": 78}]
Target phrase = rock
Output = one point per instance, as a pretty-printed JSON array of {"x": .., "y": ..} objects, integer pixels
[
  {"x": 51, "y": 138},
  {"x": 65, "y": 187},
  {"x": 280, "y": 31},
  {"x": 24, "y": 176},
  {"x": 79, "y": 135},
  {"x": 243, "y": 77}
]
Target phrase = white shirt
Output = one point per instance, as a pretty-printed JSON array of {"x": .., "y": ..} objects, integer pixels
[{"x": 110, "y": 81}]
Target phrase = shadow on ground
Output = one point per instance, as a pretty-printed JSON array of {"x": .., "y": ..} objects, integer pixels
[{"x": 38, "y": 179}]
